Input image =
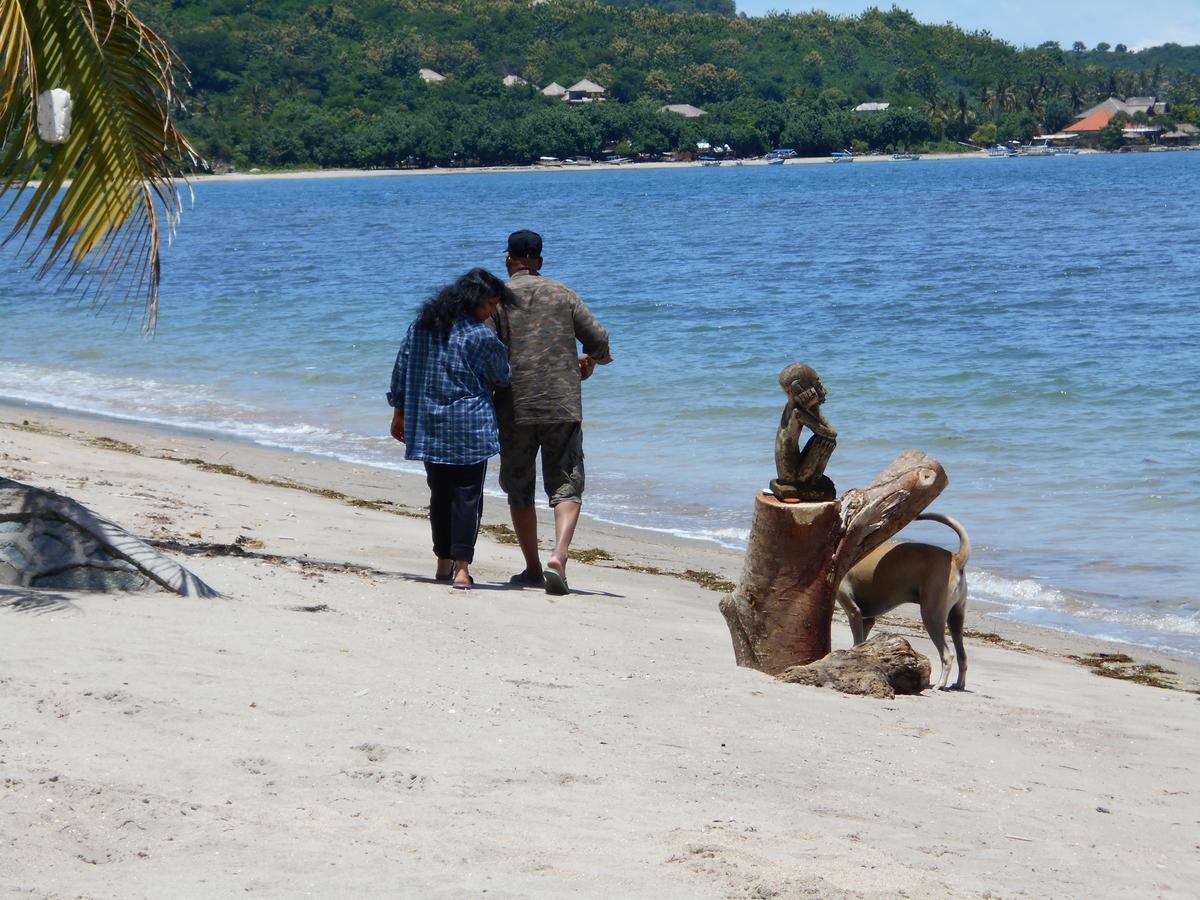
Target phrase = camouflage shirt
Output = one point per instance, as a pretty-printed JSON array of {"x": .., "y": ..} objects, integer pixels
[{"x": 540, "y": 322}]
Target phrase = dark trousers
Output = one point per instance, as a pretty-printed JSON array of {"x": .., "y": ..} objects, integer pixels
[{"x": 455, "y": 507}]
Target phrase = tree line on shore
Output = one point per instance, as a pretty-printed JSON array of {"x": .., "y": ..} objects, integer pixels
[{"x": 284, "y": 83}]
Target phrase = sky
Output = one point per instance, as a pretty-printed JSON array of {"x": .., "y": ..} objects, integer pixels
[{"x": 1145, "y": 23}]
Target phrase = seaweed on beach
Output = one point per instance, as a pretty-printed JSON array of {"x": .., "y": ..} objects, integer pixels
[
  {"x": 592, "y": 556},
  {"x": 1123, "y": 667},
  {"x": 990, "y": 637},
  {"x": 32, "y": 427},
  {"x": 705, "y": 579},
  {"x": 107, "y": 443},
  {"x": 501, "y": 534},
  {"x": 710, "y": 580}
]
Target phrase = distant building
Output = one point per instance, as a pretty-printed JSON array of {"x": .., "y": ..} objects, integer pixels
[
  {"x": 871, "y": 107},
  {"x": 1185, "y": 134},
  {"x": 1090, "y": 125},
  {"x": 1141, "y": 132},
  {"x": 1151, "y": 106},
  {"x": 430, "y": 75},
  {"x": 683, "y": 109},
  {"x": 585, "y": 92},
  {"x": 512, "y": 80},
  {"x": 554, "y": 89}
]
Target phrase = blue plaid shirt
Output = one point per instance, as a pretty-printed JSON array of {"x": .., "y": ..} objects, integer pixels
[{"x": 445, "y": 390}]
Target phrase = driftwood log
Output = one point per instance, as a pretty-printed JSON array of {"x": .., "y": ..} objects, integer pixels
[
  {"x": 781, "y": 613},
  {"x": 884, "y": 666}
]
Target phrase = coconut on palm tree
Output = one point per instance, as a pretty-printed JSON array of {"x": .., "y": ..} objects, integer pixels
[{"x": 88, "y": 201}]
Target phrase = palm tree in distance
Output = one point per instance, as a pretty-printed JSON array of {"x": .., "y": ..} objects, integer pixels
[{"x": 89, "y": 208}]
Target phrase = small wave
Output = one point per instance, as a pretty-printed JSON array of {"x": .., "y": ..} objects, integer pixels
[
  {"x": 1015, "y": 591},
  {"x": 1029, "y": 601},
  {"x": 729, "y": 538}
]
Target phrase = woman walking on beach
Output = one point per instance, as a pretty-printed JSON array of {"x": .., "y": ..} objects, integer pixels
[{"x": 441, "y": 399}]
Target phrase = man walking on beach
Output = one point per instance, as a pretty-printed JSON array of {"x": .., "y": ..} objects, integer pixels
[{"x": 540, "y": 322}]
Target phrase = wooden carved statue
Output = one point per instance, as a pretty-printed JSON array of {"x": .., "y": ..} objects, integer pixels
[{"x": 800, "y": 473}]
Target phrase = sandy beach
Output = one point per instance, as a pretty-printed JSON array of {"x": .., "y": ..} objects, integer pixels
[
  {"x": 337, "y": 724},
  {"x": 592, "y": 167}
]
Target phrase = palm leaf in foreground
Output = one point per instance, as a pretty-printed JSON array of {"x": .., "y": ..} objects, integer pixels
[{"x": 120, "y": 162}]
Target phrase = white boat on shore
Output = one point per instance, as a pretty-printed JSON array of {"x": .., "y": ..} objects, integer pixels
[{"x": 841, "y": 156}]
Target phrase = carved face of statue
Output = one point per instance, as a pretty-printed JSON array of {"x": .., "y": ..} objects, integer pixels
[{"x": 806, "y": 392}]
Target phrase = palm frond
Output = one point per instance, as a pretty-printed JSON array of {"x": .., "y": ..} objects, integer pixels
[{"x": 93, "y": 213}]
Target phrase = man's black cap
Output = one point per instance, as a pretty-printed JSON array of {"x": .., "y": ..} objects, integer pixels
[{"x": 525, "y": 244}]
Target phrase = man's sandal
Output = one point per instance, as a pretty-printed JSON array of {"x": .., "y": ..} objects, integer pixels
[{"x": 555, "y": 581}]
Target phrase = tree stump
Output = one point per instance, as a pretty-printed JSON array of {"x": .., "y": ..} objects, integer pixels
[
  {"x": 884, "y": 666},
  {"x": 781, "y": 613}
]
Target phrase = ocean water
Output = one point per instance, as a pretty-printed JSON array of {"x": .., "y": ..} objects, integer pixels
[{"x": 1032, "y": 323}]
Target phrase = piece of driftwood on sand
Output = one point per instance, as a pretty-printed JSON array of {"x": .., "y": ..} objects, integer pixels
[
  {"x": 882, "y": 667},
  {"x": 781, "y": 613}
]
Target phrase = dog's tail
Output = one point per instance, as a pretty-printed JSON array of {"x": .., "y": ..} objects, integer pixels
[{"x": 964, "y": 543}]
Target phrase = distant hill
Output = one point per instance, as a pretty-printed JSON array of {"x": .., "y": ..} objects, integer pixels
[
  {"x": 716, "y": 7},
  {"x": 295, "y": 83},
  {"x": 1172, "y": 58}
]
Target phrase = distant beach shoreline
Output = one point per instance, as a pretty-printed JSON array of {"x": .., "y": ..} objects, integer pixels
[{"x": 593, "y": 167}]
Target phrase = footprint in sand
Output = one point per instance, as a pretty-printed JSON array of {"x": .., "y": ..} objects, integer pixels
[
  {"x": 372, "y": 753},
  {"x": 255, "y": 765}
]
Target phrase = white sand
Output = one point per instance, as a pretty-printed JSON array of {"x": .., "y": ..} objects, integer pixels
[
  {"x": 412, "y": 741},
  {"x": 594, "y": 167}
]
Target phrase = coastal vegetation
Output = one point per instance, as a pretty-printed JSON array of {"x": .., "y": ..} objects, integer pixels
[{"x": 290, "y": 83}]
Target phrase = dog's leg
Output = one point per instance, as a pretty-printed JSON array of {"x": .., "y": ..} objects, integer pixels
[
  {"x": 935, "y": 626},
  {"x": 955, "y": 621},
  {"x": 853, "y": 616},
  {"x": 868, "y": 623}
]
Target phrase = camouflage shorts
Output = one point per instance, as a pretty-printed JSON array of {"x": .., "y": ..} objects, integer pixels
[{"x": 561, "y": 444}]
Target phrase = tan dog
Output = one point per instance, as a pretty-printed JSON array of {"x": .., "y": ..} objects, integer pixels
[{"x": 908, "y": 572}]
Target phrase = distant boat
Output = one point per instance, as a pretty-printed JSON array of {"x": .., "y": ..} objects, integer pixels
[
  {"x": 709, "y": 161},
  {"x": 841, "y": 156},
  {"x": 1001, "y": 150},
  {"x": 549, "y": 161},
  {"x": 776, "y": 160},
  {"x": 906, "y": 155}
]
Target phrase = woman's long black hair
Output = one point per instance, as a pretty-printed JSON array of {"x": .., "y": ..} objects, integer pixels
[{"x": 459, "y": 300}]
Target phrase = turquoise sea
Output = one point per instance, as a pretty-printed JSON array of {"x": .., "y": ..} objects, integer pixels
[{"x": 1032, "y": 323}]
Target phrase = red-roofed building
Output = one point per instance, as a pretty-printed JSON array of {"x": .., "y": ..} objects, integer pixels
[{"x": 1092, "y": 124}]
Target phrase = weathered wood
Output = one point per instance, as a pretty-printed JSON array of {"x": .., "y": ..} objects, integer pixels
[
  {"x": 781, "y": 613},
  {"x": 882, "y": 667}
]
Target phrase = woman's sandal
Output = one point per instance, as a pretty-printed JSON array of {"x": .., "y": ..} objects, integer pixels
[{"x": 464, "y": 587}]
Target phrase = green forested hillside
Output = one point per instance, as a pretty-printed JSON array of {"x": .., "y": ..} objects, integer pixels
[
  {"x": 290, "y": 82},
  {"x": 1170, "y": 57}
]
